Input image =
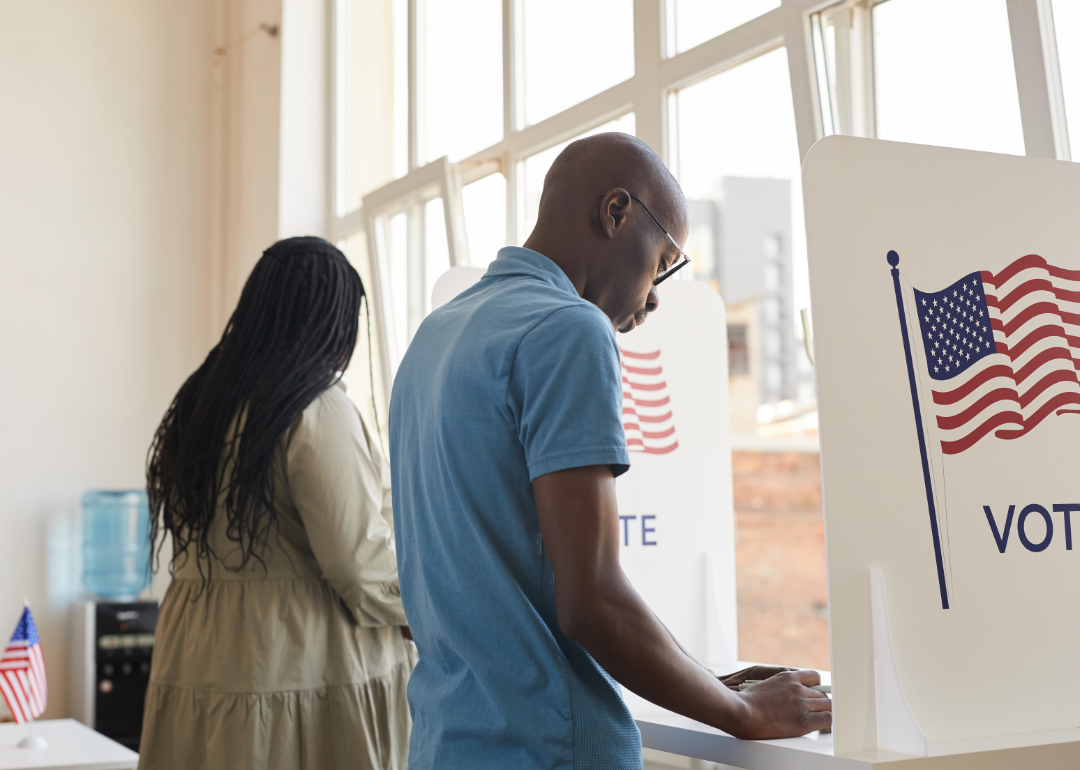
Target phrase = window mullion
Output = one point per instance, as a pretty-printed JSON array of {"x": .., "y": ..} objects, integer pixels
[
  {"x": 862, "y": 64},
  {"x": 1038, "y": 82},
  {"x": 417, "y": 102},
  {"x": 337, "y": 156},
  {"x": 513, "y": 96},
  {"x": 649, "y": 100},
  {"x": 804, "y": 89}
]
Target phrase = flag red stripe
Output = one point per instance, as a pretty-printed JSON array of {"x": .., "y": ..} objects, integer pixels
[
  {"x": 643, "y": 386},
  {"x": 31, "y": 693},
  {"x": 20, "y": 696},
  {"x": 658, "y": 434},
  {"x": 11, "y": 700},
  {"x": 1030, "y": 339},
  {"x": 1028, "y": 313},
  {"x": 952, "y": 422},
  {"x": 646, "y": 372},
  {"x": 39, "y": 667},
  {"x": 1052, "y": 378},
  {"x": 643, "y": 356},
  {"x": 1021, "y": 291},
  {"x": 1031, "y": 260},
  {"x": 1024, "y": 398},
  {"x": 1005, "y": 418},
  {"x": 1061, "y": 399},
  {"x": 631, "y": 404},
  {"x": 966, "y": 389},
  {"x": 661, "y": 450},
  {"x": 651, "y": 450},
  {"x": 999, "y": 419},
  {"x": 1049, "y": 354},
  {"x": 647, "y": 402}
]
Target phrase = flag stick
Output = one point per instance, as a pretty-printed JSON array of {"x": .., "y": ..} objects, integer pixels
[
  {"x": 894, "y": 260},
  {"x": 32, "y": 741}
]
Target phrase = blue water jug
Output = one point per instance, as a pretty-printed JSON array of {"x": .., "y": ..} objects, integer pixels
[{"x": 116, "y": 543}]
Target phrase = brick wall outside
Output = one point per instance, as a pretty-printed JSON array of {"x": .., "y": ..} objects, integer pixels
[{"x": 780, "y": 558}]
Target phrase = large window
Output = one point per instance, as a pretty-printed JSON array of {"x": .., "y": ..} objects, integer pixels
[
  {"x": 448, "y": 113},
  {"x": 944, "y": 74},
  {"x": 743, "y": 183},
  {"x": 573, "y": 49}
]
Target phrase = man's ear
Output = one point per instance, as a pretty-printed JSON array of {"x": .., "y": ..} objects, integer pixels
[{"x": 614, "y": 207}]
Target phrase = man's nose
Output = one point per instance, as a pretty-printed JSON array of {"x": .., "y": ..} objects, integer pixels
[{"x": 652, "y": 302}]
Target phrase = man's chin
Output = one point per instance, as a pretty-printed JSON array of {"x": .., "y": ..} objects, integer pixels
[{"x": 633, "y": 323}]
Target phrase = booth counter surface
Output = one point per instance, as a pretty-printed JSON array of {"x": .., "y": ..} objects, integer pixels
[
  {"x": 72, "y": 746},
  {"x": 665, "y": 731}
]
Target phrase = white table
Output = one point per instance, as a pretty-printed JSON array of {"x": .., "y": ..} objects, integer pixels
[
  {"x": 72, "y": 746},
  {"x": 665, "y": 731}
]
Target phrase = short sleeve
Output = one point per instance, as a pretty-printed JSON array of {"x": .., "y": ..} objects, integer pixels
[{"x": 565, "y": 391}]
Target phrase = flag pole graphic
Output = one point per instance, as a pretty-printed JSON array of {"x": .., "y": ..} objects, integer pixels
[{"x": 894, "y": 260}]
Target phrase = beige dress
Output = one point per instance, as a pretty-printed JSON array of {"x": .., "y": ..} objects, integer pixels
[{"x": 303, "y": 664}]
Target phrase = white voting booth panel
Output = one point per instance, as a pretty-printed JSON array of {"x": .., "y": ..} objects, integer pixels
[
  {"x": 950, "y": 409},
  {"x": 675, "y": 502}
]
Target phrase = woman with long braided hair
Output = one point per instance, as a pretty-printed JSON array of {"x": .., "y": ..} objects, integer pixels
[{"x": 281, "y": 641}]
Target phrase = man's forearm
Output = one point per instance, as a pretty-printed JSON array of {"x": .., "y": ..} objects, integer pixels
[
  {"x": 618, "y": 629},
  {"x": 599, "y": 609}
]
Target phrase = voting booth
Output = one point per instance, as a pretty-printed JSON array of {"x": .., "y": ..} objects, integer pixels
[
  {"x": 677, "y": 524},
  {"x": 946, "y": 297}
]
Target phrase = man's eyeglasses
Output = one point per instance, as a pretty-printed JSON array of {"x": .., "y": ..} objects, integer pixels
[{"x": 674, "y": 268}]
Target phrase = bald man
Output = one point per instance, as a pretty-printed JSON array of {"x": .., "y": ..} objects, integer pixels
[{"x": 505, "y": 440}]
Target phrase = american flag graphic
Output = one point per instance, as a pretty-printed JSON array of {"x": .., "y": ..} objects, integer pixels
[
  {"x": 22, "y": 672},
  {"x": 1002, "y": 351},
  {"x": 646, "y": 410}
]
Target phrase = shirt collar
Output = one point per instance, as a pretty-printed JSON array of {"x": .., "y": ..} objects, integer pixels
[{"x": 516, "y": 260}]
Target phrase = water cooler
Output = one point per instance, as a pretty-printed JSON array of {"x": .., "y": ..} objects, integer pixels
[{"x": 113, "y": 635}]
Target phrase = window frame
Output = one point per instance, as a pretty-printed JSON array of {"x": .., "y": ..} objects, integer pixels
[
  {"x": 1035, "y": 62},
  {"x": 658, "y": 73}
]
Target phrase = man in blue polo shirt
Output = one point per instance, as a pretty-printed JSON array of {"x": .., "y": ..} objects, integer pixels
[{"x": 505, "y": 440}]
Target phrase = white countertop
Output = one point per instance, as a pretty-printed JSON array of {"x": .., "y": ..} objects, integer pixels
[
  {"x": 72, "y": 746},
  {"x": 666, "y": 731}
]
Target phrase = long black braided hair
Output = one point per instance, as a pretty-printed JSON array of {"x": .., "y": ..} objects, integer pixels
[{"x": 290, "y": 337}]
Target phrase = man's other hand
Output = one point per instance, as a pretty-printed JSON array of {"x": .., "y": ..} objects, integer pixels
[
  {"x": 759, "y": 673},
  {"x": 784, "y": 706}
]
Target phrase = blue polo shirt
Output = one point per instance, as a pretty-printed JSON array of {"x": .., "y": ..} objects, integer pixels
[{"x": 515, "y": 378}]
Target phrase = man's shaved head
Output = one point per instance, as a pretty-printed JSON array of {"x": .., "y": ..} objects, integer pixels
[
  {"x": 590, "y": 225},
  {"x": 598, "y": 163}
]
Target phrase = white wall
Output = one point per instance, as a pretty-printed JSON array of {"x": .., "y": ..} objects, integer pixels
[{"x": 104, "y": 266}]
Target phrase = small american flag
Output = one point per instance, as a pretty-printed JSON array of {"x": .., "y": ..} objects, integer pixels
[
  {"x": 646, "y": 410},
  {"x": 1003, "y": 350},
  {"x": 22, "y": 672}
]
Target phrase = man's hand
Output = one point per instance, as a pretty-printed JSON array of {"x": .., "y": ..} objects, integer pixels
[
  {"x": 784, "y": 706},
  {"x": 760, "y": 673},
  {"x": 598, "y": 608}
]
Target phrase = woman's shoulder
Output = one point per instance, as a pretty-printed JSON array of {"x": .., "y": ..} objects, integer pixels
[
  {"x": 329, "y": 419},
  {"x": 333, "y": 405}
]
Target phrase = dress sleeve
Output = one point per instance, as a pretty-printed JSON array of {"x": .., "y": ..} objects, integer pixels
[
  {"x": 565, "y": 390},
  {"x": 340, "y": 485}
]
